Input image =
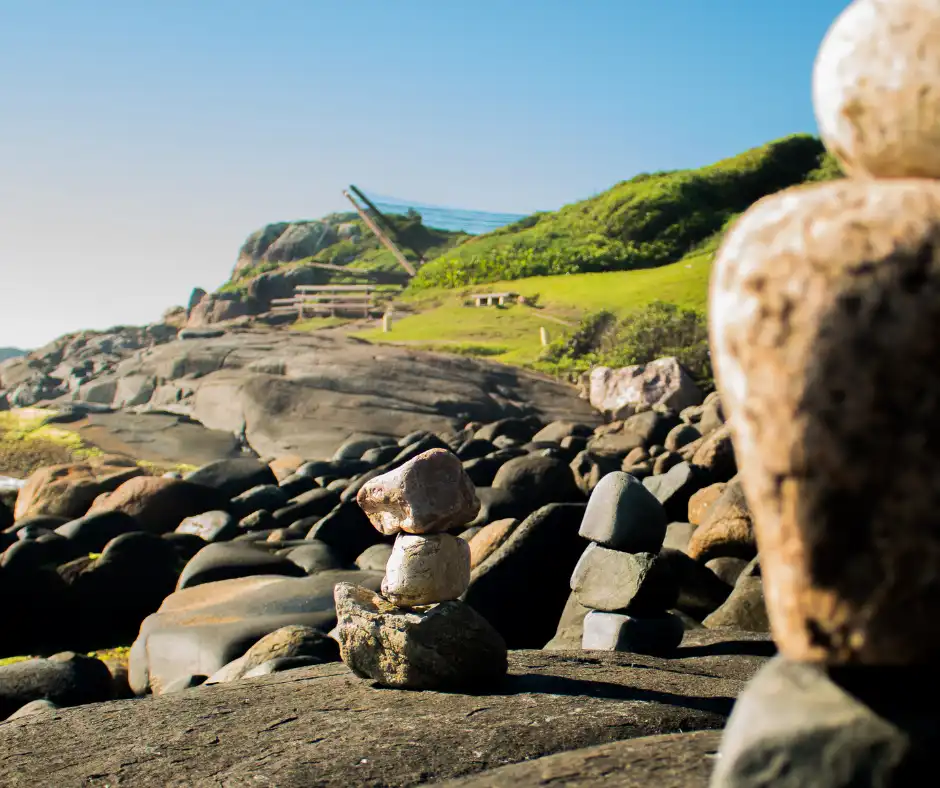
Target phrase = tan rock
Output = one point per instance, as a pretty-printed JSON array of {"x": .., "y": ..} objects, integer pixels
[
  {"x": 159, "y": 505},
  {"x": 727, "y": 529},
  {"x": 875, "y": 89},
  {"x": 701, "y": 502},
  {"x": 716, "y": 454},
  {"x": 427, "y": 494},
  {"x": 285, "y": 465},
  {"x": 423, "y": 570},
  {"x": 69, "y": 490},
  {"x": 825, "y": 318},
  {"x": 487, "y": 540}
]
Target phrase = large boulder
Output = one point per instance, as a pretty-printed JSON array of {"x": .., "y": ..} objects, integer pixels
[
  {"x": 69, "y": 490},
  {"x": 158, "y": 504},
  {"x": 66, "y": 679},
  {"x": 619, "y": 393}
]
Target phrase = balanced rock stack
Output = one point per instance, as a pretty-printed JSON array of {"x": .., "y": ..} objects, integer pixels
[
  {"x": 416, "y": 634},
  {"x": 825, "y": 310},
  {"x": 621, "y": 576}
]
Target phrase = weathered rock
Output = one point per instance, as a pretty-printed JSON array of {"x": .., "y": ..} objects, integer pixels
[
  {"x": 216, "y": 526},
  {"x": 702, "y": 501},
  {"x": 681, "y": 435},
  {"x": 657, "y": 635},
  {"x": 675, "y": 488},
  {"x": 233, "y": 477},
  {"x": 424, "y": 569},
  {"x": 829, "y": 516},
  {"x": 448, "y": 646},
  {"x": 570, "y": 628},
  {"x": 315, "y": 556},
  {"x": 287, "y": 642},
  {"x": 91, "y": 533},
  {"x": 745, "y": 608},
  {"x": 623, "y": 515},
  {"x": 159, "y": 505},
  {"x": 618, "y": 392},
  {"x": 635, "y": 583},
  {"x": 198, "y": 630},
  {"x": 557, "y": 431},
  {"x": 701, "y": 591},
  {"x": 799, "y": 724},
  {"x": 313, "y": 503},
  {"x": 875, "y": 97},
  {"x": 715, "y": 455},
  {"x": 589, "y": 469},
  {"x": 727, "y": 530},
  {"x": 263, "y": 496},
  {"x": 68, "y": 490},
  {"x": 678, "y": 536},
  {"x": 727, "y": 569},
  {"x": 427, "y": 494},
  {"x": 346, "y": 530},
  {"x": 522, "y": 587},
  {"x": 34, "y": 707}
]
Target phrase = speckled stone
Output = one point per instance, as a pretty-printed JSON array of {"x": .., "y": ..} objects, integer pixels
[
  {"x": 423, "y": 570},
  {"x": 876, "y": 91},
  {"x": 825, "y": 334}
]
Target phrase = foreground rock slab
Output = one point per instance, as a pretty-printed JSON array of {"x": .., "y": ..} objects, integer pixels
[{"x": 323, "y": 726}]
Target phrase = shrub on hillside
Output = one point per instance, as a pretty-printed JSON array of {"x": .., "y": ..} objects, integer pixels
[{"x": 658, "y": 330}]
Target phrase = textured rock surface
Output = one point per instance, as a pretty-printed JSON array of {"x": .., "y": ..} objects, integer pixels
[
  {"x": 427, "y": 494},
  {"x": 423, "y": 570},
  {"x": 618, "y": 392},
  {"x": 623, "y": 515},
  {"x": 633, "y": 582},
  {"x": 875, "y": 89},
  {"x": 446, "y": 646},
  {"x": 813, "y": 294},
  {"x": 306, "y": 728},
  {"x": 619, "y": 632}
]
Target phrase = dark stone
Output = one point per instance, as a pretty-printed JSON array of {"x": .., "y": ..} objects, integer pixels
[
  {"x": 314, "y": 469},
  {"x": 347, "y": 530},
  {"x": 295, "y": 485},
  {"x": 674, "y": 488},
  {"x": 701, "y": 591},
  {"x": 353, "y": 448},
  {"x": 640, "y": 584},
  {"x": 559, "y": 431},
  {"x": 474, "y": 448},
  {"x": 93, "y": 531},
  {"x": 380, "y": 455},
  {"x": 257, "y": 521},
  {"x": 623, "y": 515},
  {"x": 184, "y": 682},
  {"x": 227, "y": 560},
  {"x": 518, "y": 430},
  {"x": 66, "y": 679},
  {"x": 655, "y": 635},
  {"x": 522, "y": 587},
  {"x": 496, "y": 504},
  {"x": 728, "y": 568},
  {"x": 375, "y": 558},
  {"x": 483, "y": 470},
  {"x": 315, "y": 556},
  {"x": 538, "y": 481},
  {"x": 6, "y": 516},
  {"x": 745, "y": 607},
  {"x": 215, "y": 526},
  {"x": 47, "y": 521},
  {"x": 797, "y": 725},
  {"x": 264, "y": 496},
  {"x": 314, "y": 503},
  {"x": 232, "y": 477}
]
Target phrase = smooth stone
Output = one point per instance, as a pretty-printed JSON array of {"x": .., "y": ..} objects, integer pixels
[
  {"x": 34, "y": 707},
  {"x": 287, "y": 642},
  {"x": 657, "y": 636},
  {"x": 66, "y": 679},
  {"x": 423, "y": 570},
  {"x": 727, "y": 529},
  {"x": 623, "y": 515},
  {"x": 674, "y": 488},
  {"x": 635, "y": 583},
  {"x": 446, "y": 647},
  {"x": 233, "y": 476},
  {"x": 314, "y": 556},
  {"x": 228, "y": 560},
  {"x": 214, "y": 526},
  {"x": 374, "y": 558},
  {"x": 875, "y": 89},
  {"x": 281, "y": 664},
  {"x": 428, "y": 494}
]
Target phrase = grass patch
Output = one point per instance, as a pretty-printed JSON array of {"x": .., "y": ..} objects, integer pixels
[
  {"x": 13, "y": 660},
  {"x": 115, "y": 654},
  {"x": 159, "y": 468},
  {"x": 27, "y": 442}
]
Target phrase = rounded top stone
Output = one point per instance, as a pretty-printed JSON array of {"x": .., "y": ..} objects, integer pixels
[{"x": 875, "y": 89}]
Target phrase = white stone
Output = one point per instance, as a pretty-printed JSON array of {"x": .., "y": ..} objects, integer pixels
[
  {"x": 876, "y": 90},
  {"x": 618, "y": 392},
  {"x": 423, "y": 570}
]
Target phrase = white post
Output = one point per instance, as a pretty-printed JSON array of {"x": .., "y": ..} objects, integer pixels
[
  {"x": 387, "y": 322},
  {"x": 543, "y": 335}
]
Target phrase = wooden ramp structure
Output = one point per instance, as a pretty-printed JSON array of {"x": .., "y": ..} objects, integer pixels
[{"x": 331, "y": 300}]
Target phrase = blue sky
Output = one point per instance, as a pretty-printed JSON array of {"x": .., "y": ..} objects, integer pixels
[{"x": 141, "y": 142}]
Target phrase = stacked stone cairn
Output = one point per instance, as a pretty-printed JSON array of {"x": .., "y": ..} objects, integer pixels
[
  {"x": 621, "y": 575},
  {"x": 416, "y": 633},
  {"x": 825, "y": 333}
]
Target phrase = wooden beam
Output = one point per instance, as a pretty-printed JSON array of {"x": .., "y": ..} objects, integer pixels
[
  {"x": 323, "y": 288},
  {"x": 386, "y": 241},
  {"x": 390, "y": 227}
]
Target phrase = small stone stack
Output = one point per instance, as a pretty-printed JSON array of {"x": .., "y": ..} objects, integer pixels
[
  {"x": 621, "y": 576},
  {"x": 825, "y": 333},
  {"x": 417, "y": 634}
]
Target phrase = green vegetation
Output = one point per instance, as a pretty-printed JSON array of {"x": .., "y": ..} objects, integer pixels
[
  {"x": 27, "y": 442},
  {"x": 650, "y": 220},
  {"x": 13, "y": 660}
]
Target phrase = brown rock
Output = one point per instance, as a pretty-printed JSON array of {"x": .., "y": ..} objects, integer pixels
[
  {"x": 727, "y": 530},
  {"x": 875, "y": 89},
  {"x": 702, "y": 501},
  {"x": 69, "y": 490},
  {"x": 285, "y": 465},
  {"x": 159, "y": 505},
  {"x": 427, "y": 494},
  {"x": 486, "y": 541},
  {"x": 716, "y": 454},
  {"x": 825, "y": 310}
]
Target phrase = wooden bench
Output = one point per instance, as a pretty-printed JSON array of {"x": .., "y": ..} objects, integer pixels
[
  {"x": 491, "y": 299},
  {"x": 329, "y": 299}
]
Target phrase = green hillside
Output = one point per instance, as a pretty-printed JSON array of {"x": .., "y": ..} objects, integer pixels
[{"x": 648, "y": 221}]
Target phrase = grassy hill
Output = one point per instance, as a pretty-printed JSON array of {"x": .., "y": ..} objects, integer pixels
[{"x": 650, "y": 220}]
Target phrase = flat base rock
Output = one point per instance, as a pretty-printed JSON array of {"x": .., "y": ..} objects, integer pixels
[
  {"x": 675, "y": 760},
  {"x": 324, "y": 726}
]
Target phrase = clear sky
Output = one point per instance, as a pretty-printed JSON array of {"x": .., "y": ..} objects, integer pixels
[{"x": 140, "y": 142}]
